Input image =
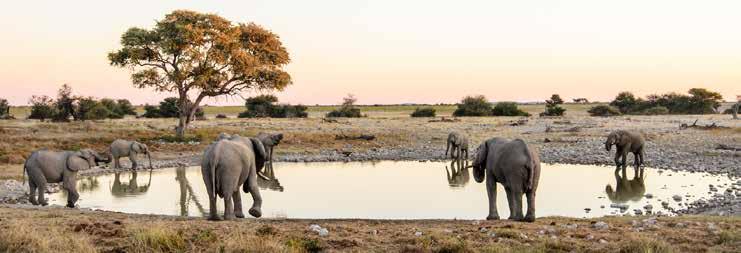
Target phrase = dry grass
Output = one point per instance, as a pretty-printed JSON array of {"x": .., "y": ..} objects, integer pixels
[{"x": 42, "y": 230}]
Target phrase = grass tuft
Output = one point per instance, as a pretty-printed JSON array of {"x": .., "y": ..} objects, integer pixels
[
  {"x": 157, "y": 239},
  {"x": 24, "y": 237}
]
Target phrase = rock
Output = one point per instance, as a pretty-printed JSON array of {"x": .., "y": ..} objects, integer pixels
[
  {"x": 649, "y": 196},
  {"x": 418, "y": 233},
  {"x": 648, "y": 207},
  {"x": 602, "y": 241},
  {"x": 600, "y": 225},
  {"x": 638, "y": 211},
  {"x": 677, "y": 198},
  {"x": 587, "y": 209},
  {"x": 319, "y": 230}
]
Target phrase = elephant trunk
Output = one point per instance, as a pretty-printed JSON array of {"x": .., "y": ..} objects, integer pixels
[
  {"x": 149, "y": 156},
  {"x": 447, "y": 148}
]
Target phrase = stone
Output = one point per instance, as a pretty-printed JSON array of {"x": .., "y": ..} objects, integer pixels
[
  {"x": 418, "y": 233},
  {"x": 649, "y": 196},
  {"x": 600, "y": 225},
  {"x": 677, "y": 198}
]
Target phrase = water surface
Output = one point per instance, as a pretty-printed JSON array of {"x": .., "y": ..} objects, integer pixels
[{"x": 393, "y": 190}]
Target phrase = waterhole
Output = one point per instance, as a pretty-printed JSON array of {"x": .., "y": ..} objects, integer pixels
[{"x": 398, "y": 190}]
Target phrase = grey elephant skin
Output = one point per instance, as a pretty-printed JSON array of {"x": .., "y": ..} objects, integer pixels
[
  {"x": 45, "y": 166},
  {"x": 269, "y": 141},
  {"x": 228, "y": 163},
  {"x": 514, "y": 165},
  {"x": 124, "y": 148},
  {"x": 624, "y": 143},
  {"x": 459, "y": 143}
]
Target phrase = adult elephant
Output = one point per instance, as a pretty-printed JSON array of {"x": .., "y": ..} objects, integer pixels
[
  {"x": 228, "y": 163},
  {"x": 459, "y": 142},
  {"x": 45, "y": 166},
  {"x": 269, "y": 141},
  {"x": 124, "y": 148},
  {"x": 625, "y": 142},
  {"x": 516, "y": 167}
]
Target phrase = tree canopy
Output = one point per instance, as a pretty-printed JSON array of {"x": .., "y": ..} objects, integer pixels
[{"x": 202, "y": 55}]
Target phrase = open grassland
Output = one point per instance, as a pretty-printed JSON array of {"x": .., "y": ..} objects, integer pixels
[{"x": 67, "y": 230}]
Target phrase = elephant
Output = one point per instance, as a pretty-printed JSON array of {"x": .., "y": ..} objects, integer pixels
[
  {"x": 513, "y": 164},
  {"x": 625, "y": 142},
  {"x": 459, "y": 176},
  {"x": 626, "y": 190},
  {"x": 120, "y": 189},
  {"x": 269, "y": 141},
  {"x": 228, "y": 163},
  {"x": 45, "y": 166},
  {"x": 123, "y": 148},
  {"x": 459, "y": 142}
]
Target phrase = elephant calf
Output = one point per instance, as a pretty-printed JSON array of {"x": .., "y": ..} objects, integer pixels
[
  {"x": 44, "y": 166},
  {"x": 228, "y": 163},
  {"x": 625, "y": 142},
  {"x": 516, "y": 167},
  {"x": 123, "y": 148},
  {"x": 459, "y": 142},
  {"x": 269, "y": 141}
]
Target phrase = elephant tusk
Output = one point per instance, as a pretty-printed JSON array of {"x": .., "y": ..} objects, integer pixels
[{"x": 259, "y": 174}]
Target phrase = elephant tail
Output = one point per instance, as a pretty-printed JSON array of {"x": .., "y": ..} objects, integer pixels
[{"x": 531, "y": 165}]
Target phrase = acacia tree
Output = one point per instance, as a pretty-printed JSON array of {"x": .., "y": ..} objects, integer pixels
[{"x": 200, "y": 55}]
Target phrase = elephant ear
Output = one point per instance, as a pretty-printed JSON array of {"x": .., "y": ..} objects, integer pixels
[
  {"x": 260, "y": 155},
  {"x": 77, "y": 161},
  {"x": 479, "y": 162}
]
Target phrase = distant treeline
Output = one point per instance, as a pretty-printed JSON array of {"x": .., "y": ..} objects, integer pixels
[
  {"x": 67, "y": 106},
  {"x": 697, "y": 101}
]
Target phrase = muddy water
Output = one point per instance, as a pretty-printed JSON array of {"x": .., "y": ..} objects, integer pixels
[{"x": 395, "y": 190}]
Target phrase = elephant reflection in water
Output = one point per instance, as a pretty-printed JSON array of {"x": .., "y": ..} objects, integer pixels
[
  {"x": 626, "y": 190},
  {"x": 186, "y": 193},
  {"x": 120, "y": 189},
  {"x": 459, "y": 176},
  {"x": 268, "y": 180},
  {"x": 87, "y": 184}
]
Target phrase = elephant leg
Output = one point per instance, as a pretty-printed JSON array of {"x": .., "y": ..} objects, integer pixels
[
  {"x": 228, "y": 206},
  {"x": 41, "y": 188},
  {"x": 511, "y": 203},
  {"x": 116, "y": 163},
  {"x": 72, "y": 195},
  {"x": 624, "y": 158},
  {"x": 134, "y": 163},
  {"x": 617, "y": 158},
  {"x": 530, "y": 216},
  {"x": 238, "y": 204},
  {"x": 640, "y": 155},
  {"x": 32, "y": 193},
  {"x": 256, "y": 209},
  {"x": 211, "y": 197},
  {"x": 491, "y": 190},
  {"x": 517, "y": 194}
]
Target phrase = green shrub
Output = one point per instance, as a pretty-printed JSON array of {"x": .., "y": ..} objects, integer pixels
[
  {"x": 473, "y": 106},
  {"x": 98, "y": 112},
  {"x": 42, "y": 108},
  {"x": 423, "y": 112},
  {"x": 699, "y": 101},
  {"x": 264, "y": 106},
  {"x": 604, "y": 111},
  {"x": 151, "y": 111},
  {"x": 347, "y": 110},
  {"x": 552, "y": 107},
  {"x": 507, "y": 109},
  {"x": 4, "y": 109},
  {"x": 656, "y": 110}
]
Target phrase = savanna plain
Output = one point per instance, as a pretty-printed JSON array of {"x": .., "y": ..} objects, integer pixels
[{"x": 577, "y": 138}]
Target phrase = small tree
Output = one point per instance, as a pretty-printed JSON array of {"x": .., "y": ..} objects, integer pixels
[
  {"x": 507, "y": 109},
  {"x": 624, "y": 101},
  {"x": 65, "y": 104},
  {"x": 125, "y": 107},
  {"x": 604, "y": 111},
  {"x": 259, "y": 106},
  {"x": 347, "y": 109},
  {"x": 473, "y": 106},
  {"x": 151, "y": 111},
  {"x": 4, "y": 109},
  {"x": 423, "y": 112},
  {"x": 42, "y": 108},
  {"x": 202, "y": 55},
  {"x": 552, "y": 106}
]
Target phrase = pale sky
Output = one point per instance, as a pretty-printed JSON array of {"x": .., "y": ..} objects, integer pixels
[{"x": 402, "y": 51}]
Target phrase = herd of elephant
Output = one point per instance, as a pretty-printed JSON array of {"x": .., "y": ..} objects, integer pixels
[{"x": 233, "y": 161}]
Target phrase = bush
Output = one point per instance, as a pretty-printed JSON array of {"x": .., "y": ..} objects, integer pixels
[
  {"x": 151, "y": 111},
  {"x": 347, "y": 110},
  {"x": 99, "y": 111},
  {"x": 604, "y": 111},
  {"x": 263, "y": 106},
  {"x": 168, "y": 108},
  {"x": 42, "y": 108},
  {"x": 221, "y": 116},
  {"x": 656, "y": 110},
  {"x": 552, "y": 107},
  {"x": 507, "y": 109},
  {"x": 4, "y": 109},
  {"x": 699, "y": 101},
  {"x": 423, "y": 112},
  {"x": 473, "y": 106}
]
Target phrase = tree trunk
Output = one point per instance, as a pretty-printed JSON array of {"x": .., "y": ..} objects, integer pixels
[{"x": 182, "y": 125}]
